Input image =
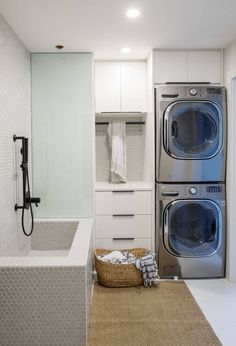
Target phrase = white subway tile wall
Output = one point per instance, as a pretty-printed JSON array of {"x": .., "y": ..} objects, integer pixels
[{"x": 15, "y": 117}]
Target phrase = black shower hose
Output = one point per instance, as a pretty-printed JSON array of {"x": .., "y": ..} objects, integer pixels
[{"x": 30, "y": 206}]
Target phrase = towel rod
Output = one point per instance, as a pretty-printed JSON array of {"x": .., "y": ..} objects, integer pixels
[{"x": 127, "y": 123}]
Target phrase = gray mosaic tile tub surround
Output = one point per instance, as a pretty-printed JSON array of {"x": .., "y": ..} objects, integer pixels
[
  {"x": 50, "y": 235},
  {"x": 45, "y": 305}
]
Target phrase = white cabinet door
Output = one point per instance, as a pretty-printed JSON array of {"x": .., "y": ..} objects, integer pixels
[
  {"x": 170, "y": 66},
  {"x": 204, "y": 66},
  {"x": 134, "y": 86},
  {"x": 107, "y": 87}
]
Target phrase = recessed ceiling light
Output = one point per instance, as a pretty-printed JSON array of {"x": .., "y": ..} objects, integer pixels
[
  {"x": 125, "y": 50},
  {"x": 133, "y": 13}
]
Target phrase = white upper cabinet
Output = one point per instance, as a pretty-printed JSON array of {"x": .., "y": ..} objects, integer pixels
[
  {"x": 188, "y": 66},
  {"x": 204, "y": 66},
  {"x": 170, "y": 66},
  {"x": 120, "y": 86},
  {"x": 133, "y": 86},
  {"x": 107, "y": 87}
]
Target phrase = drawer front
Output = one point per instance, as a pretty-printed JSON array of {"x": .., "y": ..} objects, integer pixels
[
  {"x": 123, "y": 244},
  {"x": 122, "y": 226},
  {"x": 123, "y": 202}
]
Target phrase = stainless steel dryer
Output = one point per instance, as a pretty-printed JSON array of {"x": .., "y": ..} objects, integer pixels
[
  {"x": 190, "y": 230},
  {"x": 191, "y": 132}
]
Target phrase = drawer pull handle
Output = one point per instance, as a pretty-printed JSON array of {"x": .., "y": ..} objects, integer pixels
[
  {"x": 123, "y": 238},
  {"x": 123, "y": 191},
  {"x": 120, "y": 215}
]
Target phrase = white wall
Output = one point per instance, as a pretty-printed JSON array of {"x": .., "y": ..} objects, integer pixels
[
  {"x": 14, "y": 119},
  {"x": 149, "y": 173},
  {"x": 229, "y": 74},
  {"x": 150, "y": 125}
]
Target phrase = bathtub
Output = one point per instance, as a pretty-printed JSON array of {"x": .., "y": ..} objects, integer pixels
[{"x": 45, "y": 293}]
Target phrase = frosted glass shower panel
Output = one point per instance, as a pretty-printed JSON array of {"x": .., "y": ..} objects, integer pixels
[{"x": 62, "y": 134}]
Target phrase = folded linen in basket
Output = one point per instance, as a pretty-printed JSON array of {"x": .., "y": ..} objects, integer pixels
[
  {"x": 148, "y": 267},
  {"x": 117, "y": 142},
  {"x": 118, "y": 257}
]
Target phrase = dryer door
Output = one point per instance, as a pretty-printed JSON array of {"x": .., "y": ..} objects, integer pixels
[
  {"x": 193, "y": 130},
  {"x": 192, "y": 228}
]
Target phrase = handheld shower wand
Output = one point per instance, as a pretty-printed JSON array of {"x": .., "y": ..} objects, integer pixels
[{"x": 27, "y": 199}]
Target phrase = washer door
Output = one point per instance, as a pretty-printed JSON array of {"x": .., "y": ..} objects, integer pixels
[
  {"x": 192, "y": 228},
  {"x": 193, "y": 130}
]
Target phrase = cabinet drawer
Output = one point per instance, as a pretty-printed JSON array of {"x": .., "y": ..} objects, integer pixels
[
  {"x": 123, "y": 202},
  {"x": 123, "y": 244},
  {"x": 131, "y": 226}
]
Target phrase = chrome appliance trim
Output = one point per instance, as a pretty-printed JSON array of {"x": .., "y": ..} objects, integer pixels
[
  {"x": 166, "y": 230},
  {"x": 165, "y": 129}
]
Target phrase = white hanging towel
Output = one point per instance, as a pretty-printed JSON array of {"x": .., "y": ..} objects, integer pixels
[{"x": 117, "y": 142}]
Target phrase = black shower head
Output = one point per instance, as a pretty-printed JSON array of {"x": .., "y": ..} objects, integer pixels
[{"x": 25, "y": 150}]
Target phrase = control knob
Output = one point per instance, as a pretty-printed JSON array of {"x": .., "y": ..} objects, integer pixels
[
  {"x": 193, "y": 190},
  {"x": 193, "y": 92}
]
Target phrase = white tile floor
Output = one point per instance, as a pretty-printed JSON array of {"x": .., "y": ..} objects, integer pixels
[{"x": 217, "y": 300}]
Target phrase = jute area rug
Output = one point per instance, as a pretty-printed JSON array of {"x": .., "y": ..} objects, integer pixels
[{"x": 138, "y": 316}]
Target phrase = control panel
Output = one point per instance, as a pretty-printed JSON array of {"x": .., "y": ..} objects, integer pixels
[
  {"x": 178, "y": 191},
  {"x": 169, "y": 92}
]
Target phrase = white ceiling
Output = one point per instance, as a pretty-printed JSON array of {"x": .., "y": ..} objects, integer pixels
[{"x": 100, "y": 26}]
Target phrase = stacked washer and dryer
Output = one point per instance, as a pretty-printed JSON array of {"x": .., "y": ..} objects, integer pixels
[{"x": 190, "y": 180}]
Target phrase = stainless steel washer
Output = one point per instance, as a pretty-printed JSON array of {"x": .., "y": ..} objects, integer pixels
[
  {"x": 190, "y": 133},
  {"x": 190, "y": 230}
]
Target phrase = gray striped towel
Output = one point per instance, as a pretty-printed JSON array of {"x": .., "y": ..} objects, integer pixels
[{"x": 148, "y": 267}]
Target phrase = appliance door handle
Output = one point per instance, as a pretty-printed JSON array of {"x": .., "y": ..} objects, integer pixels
[
  {"x": 166, "y": 232},
  {"x": 166, "y": 217},
  {"x": 211, "y": 227},
  {"x": 213, "y": 232},
  {"x": 165, "y": 134},
  {"x": 174, "y": 129}
]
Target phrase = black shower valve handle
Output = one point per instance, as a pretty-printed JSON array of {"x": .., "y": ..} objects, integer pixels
[{"x": 34, "y": 200}]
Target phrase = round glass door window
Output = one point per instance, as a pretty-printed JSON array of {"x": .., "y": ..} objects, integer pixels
[
  {"x": 192, "y": 228},
  {"x": 193, "y": 129}
]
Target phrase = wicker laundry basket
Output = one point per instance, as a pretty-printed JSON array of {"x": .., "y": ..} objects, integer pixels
[{"x": 118, "y": 275}]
